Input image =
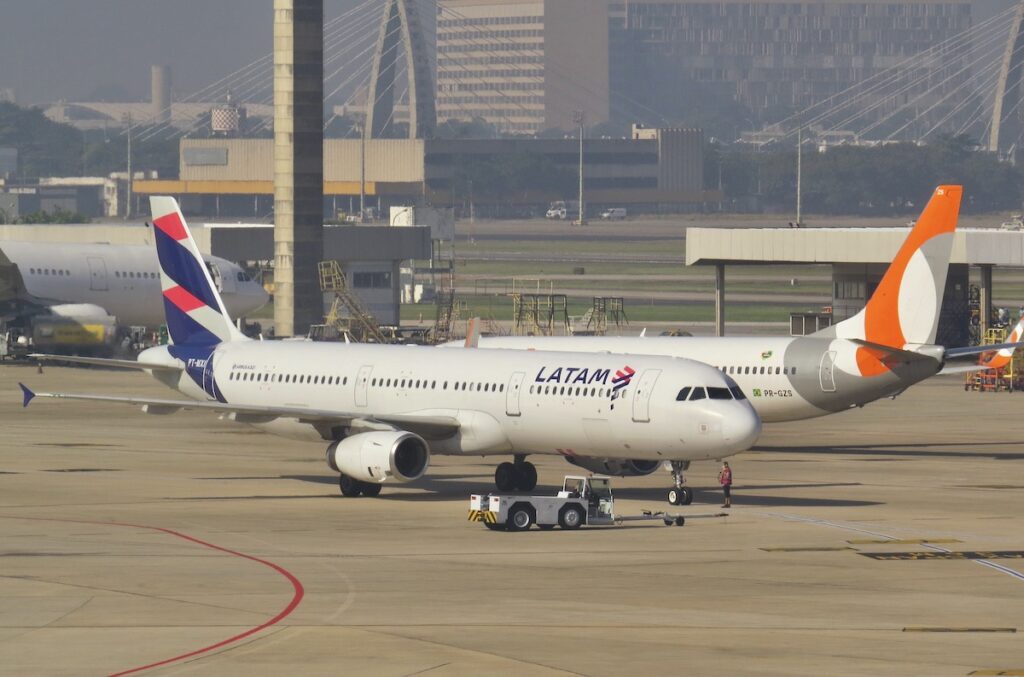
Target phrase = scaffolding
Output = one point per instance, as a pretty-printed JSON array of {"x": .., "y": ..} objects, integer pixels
[
  {"x": 605, "y": 310},
  {"x": 347, "y": 317},
  {"x": 1008, "y": 378},
  {"x": 539, "y": 314}
]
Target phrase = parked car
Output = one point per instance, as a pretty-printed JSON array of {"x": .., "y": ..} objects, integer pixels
[{"x": 614, "y": 214}]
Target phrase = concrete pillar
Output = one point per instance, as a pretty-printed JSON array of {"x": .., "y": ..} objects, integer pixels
[
  {"x": 719, "y": 299},
  {"x": 298, "y": 163},
  {"x": 986, "y": 298},
  {"x": 160, "y": 93}
]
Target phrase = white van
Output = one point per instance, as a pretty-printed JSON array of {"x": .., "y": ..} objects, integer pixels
[{"x": 614, "y": 214}]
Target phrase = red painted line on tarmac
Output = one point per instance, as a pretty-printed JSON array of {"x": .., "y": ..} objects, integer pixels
[{"x": 299, "y": 591}]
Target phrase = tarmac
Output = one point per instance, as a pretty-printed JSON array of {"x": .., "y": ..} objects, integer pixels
[{"x": 882, "y": 541}]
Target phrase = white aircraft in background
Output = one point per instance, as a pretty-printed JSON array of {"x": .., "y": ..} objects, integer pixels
[
  {"x": 382, "y": 411},
  {"x": 99, "y": 285},
  {"x": 880, "y": 352}
]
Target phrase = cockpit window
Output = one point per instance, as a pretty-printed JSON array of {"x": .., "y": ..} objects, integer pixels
[
  {"x": 737, "y": 393},
  {"x": 719, "y": 394},
  {"x": 683, "y": 394},
  {"x": 698, "y": 394},
  {"x": 241, "y": 276}
]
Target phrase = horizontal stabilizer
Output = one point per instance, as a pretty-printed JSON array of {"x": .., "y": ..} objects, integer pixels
[
  {"x": 893, "y": 356},
  {"x": 104, "y": 362},
  {"x": 971, "y": 351}
]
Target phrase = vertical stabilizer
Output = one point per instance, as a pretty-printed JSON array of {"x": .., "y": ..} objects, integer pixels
[
  {"x": 904, "y": 310},
  {"x": 194, "y": 310},
  {"x": 1000, "y": 358}
]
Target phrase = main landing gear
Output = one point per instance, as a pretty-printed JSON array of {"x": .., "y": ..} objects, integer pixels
[
  {"x": 518, "y": 476},
  {"x": 351, "y": 487},
  {"x": 680, "y": 494}
]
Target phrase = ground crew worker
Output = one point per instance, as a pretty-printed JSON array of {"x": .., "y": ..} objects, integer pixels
[{"x": 725, "y": 479}]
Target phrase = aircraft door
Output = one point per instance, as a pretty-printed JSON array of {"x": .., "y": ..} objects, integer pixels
[
  {"x": 97, "y": 273},
  {"x": 363, "y": 384},
  {"x": 827, "y": 372},
  {"x": 642, "y": 396},
  {"x": 515, "y": 385}
]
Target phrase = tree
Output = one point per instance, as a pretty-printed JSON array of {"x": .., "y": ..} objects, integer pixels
[{"x": 45, "y": 148}]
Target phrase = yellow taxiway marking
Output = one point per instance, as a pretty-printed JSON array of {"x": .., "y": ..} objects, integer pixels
[{"x": 901, "y": 541}]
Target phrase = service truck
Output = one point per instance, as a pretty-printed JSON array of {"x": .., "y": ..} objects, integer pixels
[{"x": 582, "y": 501}]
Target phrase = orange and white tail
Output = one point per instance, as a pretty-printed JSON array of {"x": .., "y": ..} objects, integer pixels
[
  {"x": 998, "y": 359},
  {"x": 904, "y": 310}
]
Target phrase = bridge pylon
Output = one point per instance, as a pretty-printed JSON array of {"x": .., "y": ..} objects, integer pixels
[
  {"x": 401, "y": 25},
  {"x": 1008, "y": 89}
]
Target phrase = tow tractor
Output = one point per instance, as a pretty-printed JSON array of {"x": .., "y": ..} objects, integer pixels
[{"x": 582, "y": 501}]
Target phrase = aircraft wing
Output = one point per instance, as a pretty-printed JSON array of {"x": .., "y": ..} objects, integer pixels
[
  {"x": 429, "y": 427},
  {"x": 104, "y": 362}
]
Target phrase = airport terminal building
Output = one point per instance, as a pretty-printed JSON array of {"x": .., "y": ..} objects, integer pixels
[{"x": 655, "y": 169}]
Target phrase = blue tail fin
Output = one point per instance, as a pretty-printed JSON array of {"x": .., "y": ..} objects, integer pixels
[{"x": 194, "y": 310}]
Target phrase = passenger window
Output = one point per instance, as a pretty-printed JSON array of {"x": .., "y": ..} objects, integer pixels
[
  {"x": 792, "y": 371},
  {"x": 683, "y": 394},
  {"x": 698, "y": 394},
  {"x": 501, "y": 388},
  {"x": 719, "y": 394},
  {"x": 762, "y": 370}
]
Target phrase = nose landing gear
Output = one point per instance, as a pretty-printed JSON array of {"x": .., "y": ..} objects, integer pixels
[
  {"x": 680, "y": 494},
  {"x": 518, "y": 476}
]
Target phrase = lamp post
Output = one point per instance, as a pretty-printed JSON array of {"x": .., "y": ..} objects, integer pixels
[
  {"x": 128, "y": 203},
  {"x": 579, "y": 118}
]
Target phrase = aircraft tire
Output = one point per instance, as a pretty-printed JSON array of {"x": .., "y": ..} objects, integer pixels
[
  {"x": 687, "y": 497},
  {"x": 371, "y": 489},
  {"x": 675, "y": 496},
  {"x": 526, "y": 477},
  {"x": 350, "y": 487},
  {"x": 505, "y": 476}
]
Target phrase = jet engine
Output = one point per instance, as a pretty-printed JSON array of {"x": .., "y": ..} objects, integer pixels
[
  {"x": 380, "y": 456},
  {"x": 617, "y": 467}
]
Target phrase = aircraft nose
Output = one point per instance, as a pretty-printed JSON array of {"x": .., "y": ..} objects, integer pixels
[{"x": 741, "y": 429}]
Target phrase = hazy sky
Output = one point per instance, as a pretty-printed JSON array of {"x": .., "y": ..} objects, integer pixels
[
  {"x": 74, "y": 49},
  {"x": 53, "y": 49}
]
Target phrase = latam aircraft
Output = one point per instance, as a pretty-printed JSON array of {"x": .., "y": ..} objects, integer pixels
[
  {"x": 880, "y": 352},
  {"x": 381, "y": 411},
  {"x": 100, "y": 280}
]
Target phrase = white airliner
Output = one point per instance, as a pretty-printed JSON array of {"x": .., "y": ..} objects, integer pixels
[
  {"x": 381, "y": 411},
  {"x": 92, "y": 281},
  {"x": 880, "y": 352}
]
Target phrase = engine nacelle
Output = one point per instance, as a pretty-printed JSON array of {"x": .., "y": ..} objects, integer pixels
[
  {"x": 380, "y": 456},
  {"x": 618, "y": 467}
]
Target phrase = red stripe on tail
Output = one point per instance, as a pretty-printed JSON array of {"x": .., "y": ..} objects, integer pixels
[
  {"x": 172, "y": 226},
  {"x": 182, "y": 299}
]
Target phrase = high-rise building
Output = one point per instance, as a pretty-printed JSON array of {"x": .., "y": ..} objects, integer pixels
[
  {"x": 773, "y": 57},
  {"x": 522, "y": 65},
  {"x": 525, "y": 65}
]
